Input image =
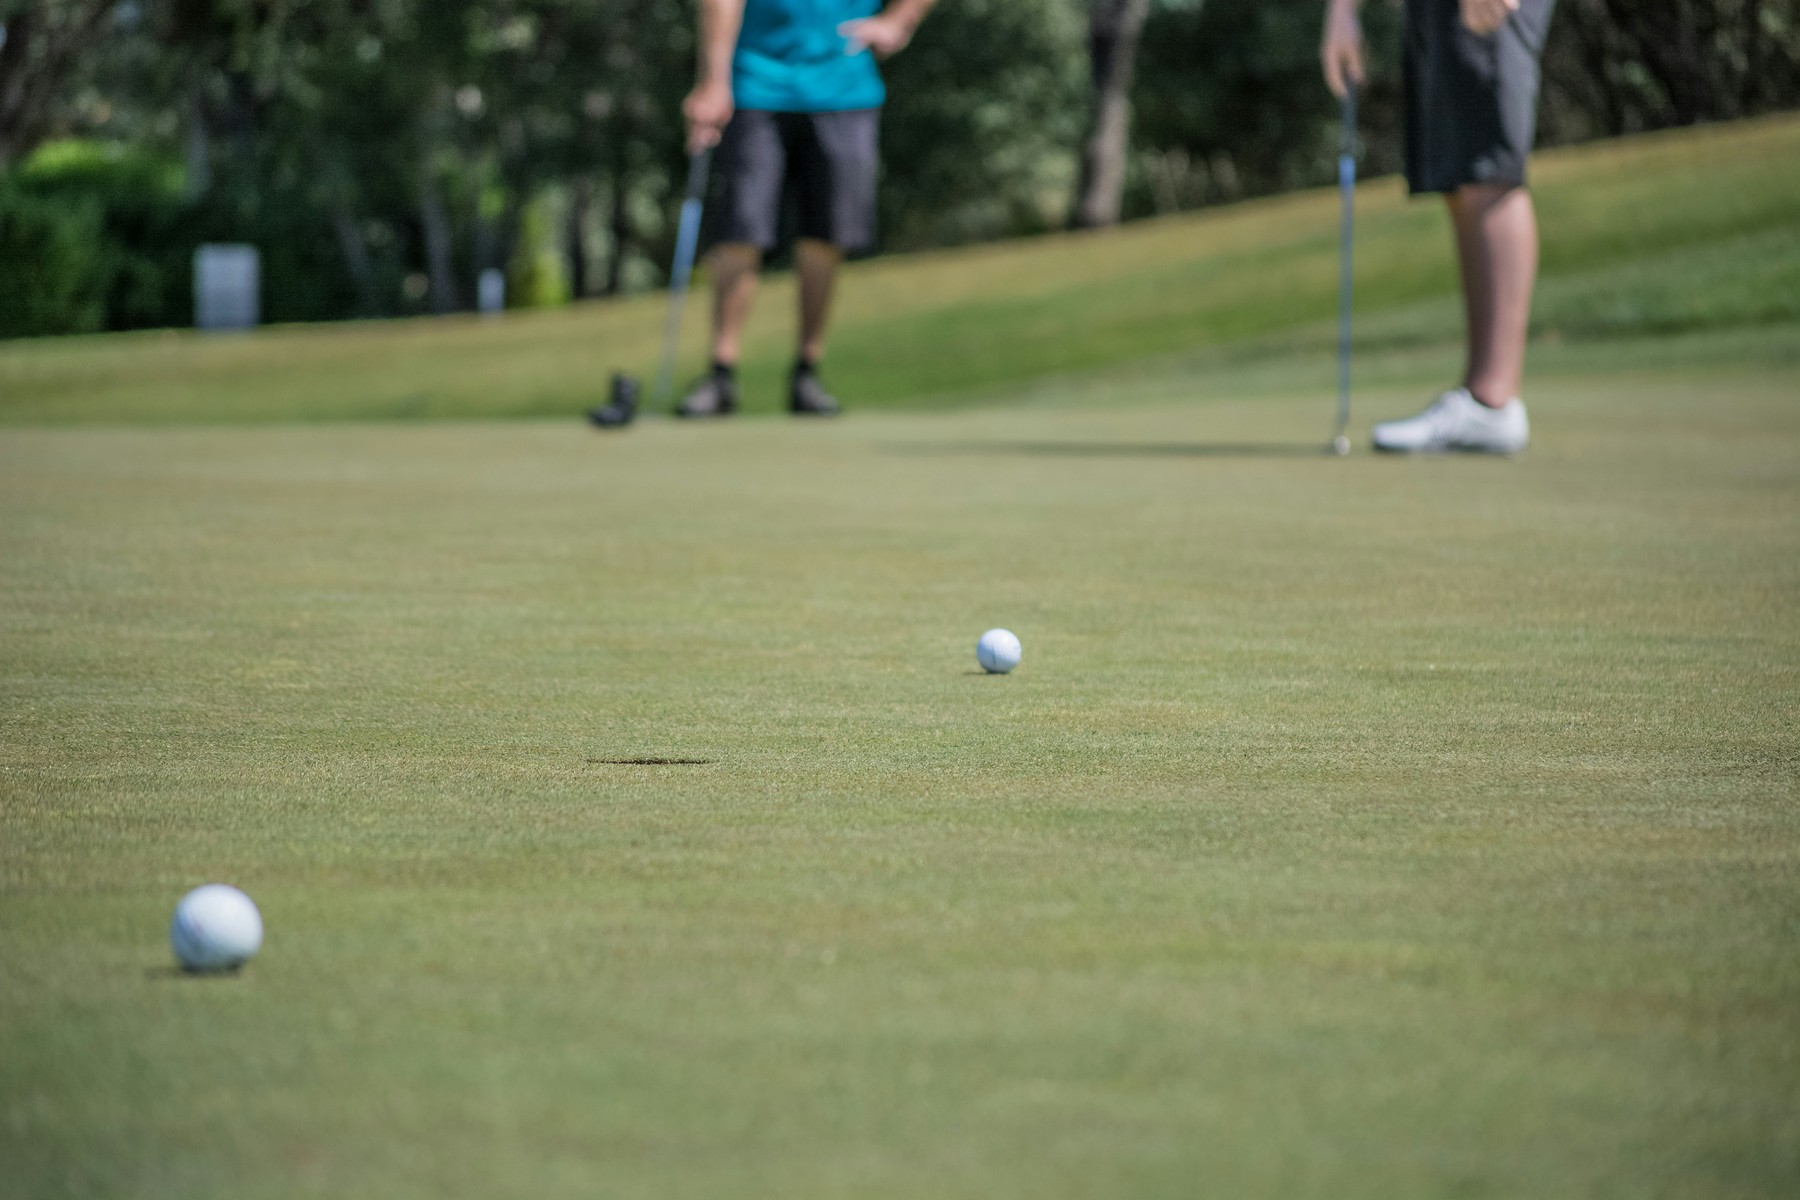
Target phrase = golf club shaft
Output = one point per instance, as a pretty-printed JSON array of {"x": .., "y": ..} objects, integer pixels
[
  {"x": 687, "y": 240},
  {"x": 1346, "y": 190}
]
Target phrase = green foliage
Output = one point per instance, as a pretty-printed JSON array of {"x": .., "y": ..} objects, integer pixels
[
  {"x": 140, "y": 233},
  {"x": 536, "y": 277},
  {"x": 52, "y": 270},
  {"x": 303, "y": 272},
  {"x": 1230, "y": 103},
  {"x": 316, "y": 128},
  {"x": 128, "y": 209},
  {"x": 984, "y": 111},
  {"x": 1620, "y": 66}
]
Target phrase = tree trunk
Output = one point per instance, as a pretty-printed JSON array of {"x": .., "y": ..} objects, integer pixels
[
  {"x": 512, "y": 222},
  {"x": 356, "y": 256},
  {"x": 434, "y": 222},
  {"x": 1750, "y": 97},
  {"x": 197, "y": 148},
  {"x": 581, "y": 203},
  {"x": 1113, "y": 36},
  {"x": 35, "y": 60},
  {"x": 619, "y": 221}
]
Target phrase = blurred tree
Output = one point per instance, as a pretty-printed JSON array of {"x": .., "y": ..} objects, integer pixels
[
  {"x": 384, "y": 152},
  {"x": 1228, "y": 100},
  {"x": 55, "y": 281},
  {"x": 1231, "y": 103},
  {"x": 42, "y": 45},
  {"x": 1113, "y": 32},
  {"x": 984, "y": 111},
  {"x": 1614, "y": 66}
]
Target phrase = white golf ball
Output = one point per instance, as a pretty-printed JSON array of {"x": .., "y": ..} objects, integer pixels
[
  {"x": 998, "y": 651},
  {"x": 216, "y": 928}
]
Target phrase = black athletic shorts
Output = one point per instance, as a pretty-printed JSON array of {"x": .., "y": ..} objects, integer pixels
[
  {"x": 827, "y": 160},
  {"x": 1471, "y": 102}
]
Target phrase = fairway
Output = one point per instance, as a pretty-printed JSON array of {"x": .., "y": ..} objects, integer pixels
[{"x": 1352, "y": 828}]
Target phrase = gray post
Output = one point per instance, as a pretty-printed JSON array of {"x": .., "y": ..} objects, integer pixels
[
  {"x": 227, "y": 287},
  {"x": 490, "y": 291}
]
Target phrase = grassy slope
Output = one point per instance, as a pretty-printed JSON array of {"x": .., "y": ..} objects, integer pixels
[
  {"x": 1353, "y": 828},
  {"x": 1684, "y": 231}
]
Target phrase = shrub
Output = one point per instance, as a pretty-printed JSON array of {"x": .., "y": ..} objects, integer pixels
[
  {"x": 147, "y": 242},
  {"x": 52, "y": 265}
]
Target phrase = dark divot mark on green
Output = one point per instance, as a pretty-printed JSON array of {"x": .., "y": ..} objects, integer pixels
[{"x": 651, "y": 762}]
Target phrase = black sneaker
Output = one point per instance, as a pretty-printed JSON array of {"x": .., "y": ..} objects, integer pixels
[
  {"x": 807, "y": 397},
  {"x": 621, "y": 408},
  {"x": 715, "y": 395}
]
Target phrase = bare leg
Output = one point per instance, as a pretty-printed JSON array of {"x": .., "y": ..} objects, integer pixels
[
  {"x": 1497, "y": 243},
  {"x": 817, "y": 263},
  {"x": 1465, "y": 220},
  {"x": 734, "y": 267}
]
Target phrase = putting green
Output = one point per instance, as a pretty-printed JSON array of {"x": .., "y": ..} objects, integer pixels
[{"x": 1352, "y": 828}]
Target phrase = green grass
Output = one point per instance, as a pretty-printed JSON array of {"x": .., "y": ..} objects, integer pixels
[
  {"x": 1353, "y": 827},
  {"x": 1677, "y": 232}
]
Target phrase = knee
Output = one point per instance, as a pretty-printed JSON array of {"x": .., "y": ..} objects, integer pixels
[
  {"x": 1481, "y": 196},
  {"x": 814, "y": 252},
  {"x": 736, "y": 257}
]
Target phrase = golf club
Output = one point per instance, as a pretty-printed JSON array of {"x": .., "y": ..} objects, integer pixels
[
  {"x": 1340, "y": 444},
  {"x": 687, "y": 240},
  {"x": 621, "y": 406}
]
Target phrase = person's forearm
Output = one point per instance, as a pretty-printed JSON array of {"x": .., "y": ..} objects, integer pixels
[
  {"x": 1341, "y": 47},
  {"x": 719, "y": 24}
]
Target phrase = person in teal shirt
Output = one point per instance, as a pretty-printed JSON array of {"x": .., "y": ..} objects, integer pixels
[
  {"x": 790, "y": 93},
  {"x": 792, "y": 56}
]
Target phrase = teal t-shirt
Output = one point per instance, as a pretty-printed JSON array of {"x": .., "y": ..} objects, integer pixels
[{"x": 790, "y": 58}]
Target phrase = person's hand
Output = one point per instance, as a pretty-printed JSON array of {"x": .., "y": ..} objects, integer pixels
[
  {"x": 886, "y": 35},
  {"x": 1482, "y": 17},
  {"x": 1341, "y": 51},
  {"x": 708, "y": 110}
]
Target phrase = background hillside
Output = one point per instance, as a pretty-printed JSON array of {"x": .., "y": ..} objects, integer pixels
[{"x": 1645, "y": 238}]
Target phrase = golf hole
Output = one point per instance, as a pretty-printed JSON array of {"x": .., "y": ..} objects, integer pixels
[{"x": 651, "y": 762}]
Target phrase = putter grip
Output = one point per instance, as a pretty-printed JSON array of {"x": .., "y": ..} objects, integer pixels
[{"x": 698, "y": 166}]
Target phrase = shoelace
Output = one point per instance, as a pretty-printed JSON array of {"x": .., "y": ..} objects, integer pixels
[{"x": 1442, "y": 416}]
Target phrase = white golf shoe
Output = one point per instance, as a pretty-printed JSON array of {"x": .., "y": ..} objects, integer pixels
[{"x": 1456, "y": 421}]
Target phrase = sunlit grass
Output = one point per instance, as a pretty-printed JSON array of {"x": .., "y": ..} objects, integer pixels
[
  {"x": 1353, "y": 828},
  {"x": 1683, "y": 231}
]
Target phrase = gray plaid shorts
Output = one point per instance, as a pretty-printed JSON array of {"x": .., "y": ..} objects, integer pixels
[
  {"x": 1471, "y": 102},
  {"x": 826, "y": 160}
]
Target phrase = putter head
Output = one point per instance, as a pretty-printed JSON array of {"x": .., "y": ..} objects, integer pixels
[{"x": 621, "y": 405}]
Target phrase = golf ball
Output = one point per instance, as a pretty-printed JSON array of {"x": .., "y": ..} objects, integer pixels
[
  {"x": 998, "y": 651},
  {"x": 216, "y": 928}
]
